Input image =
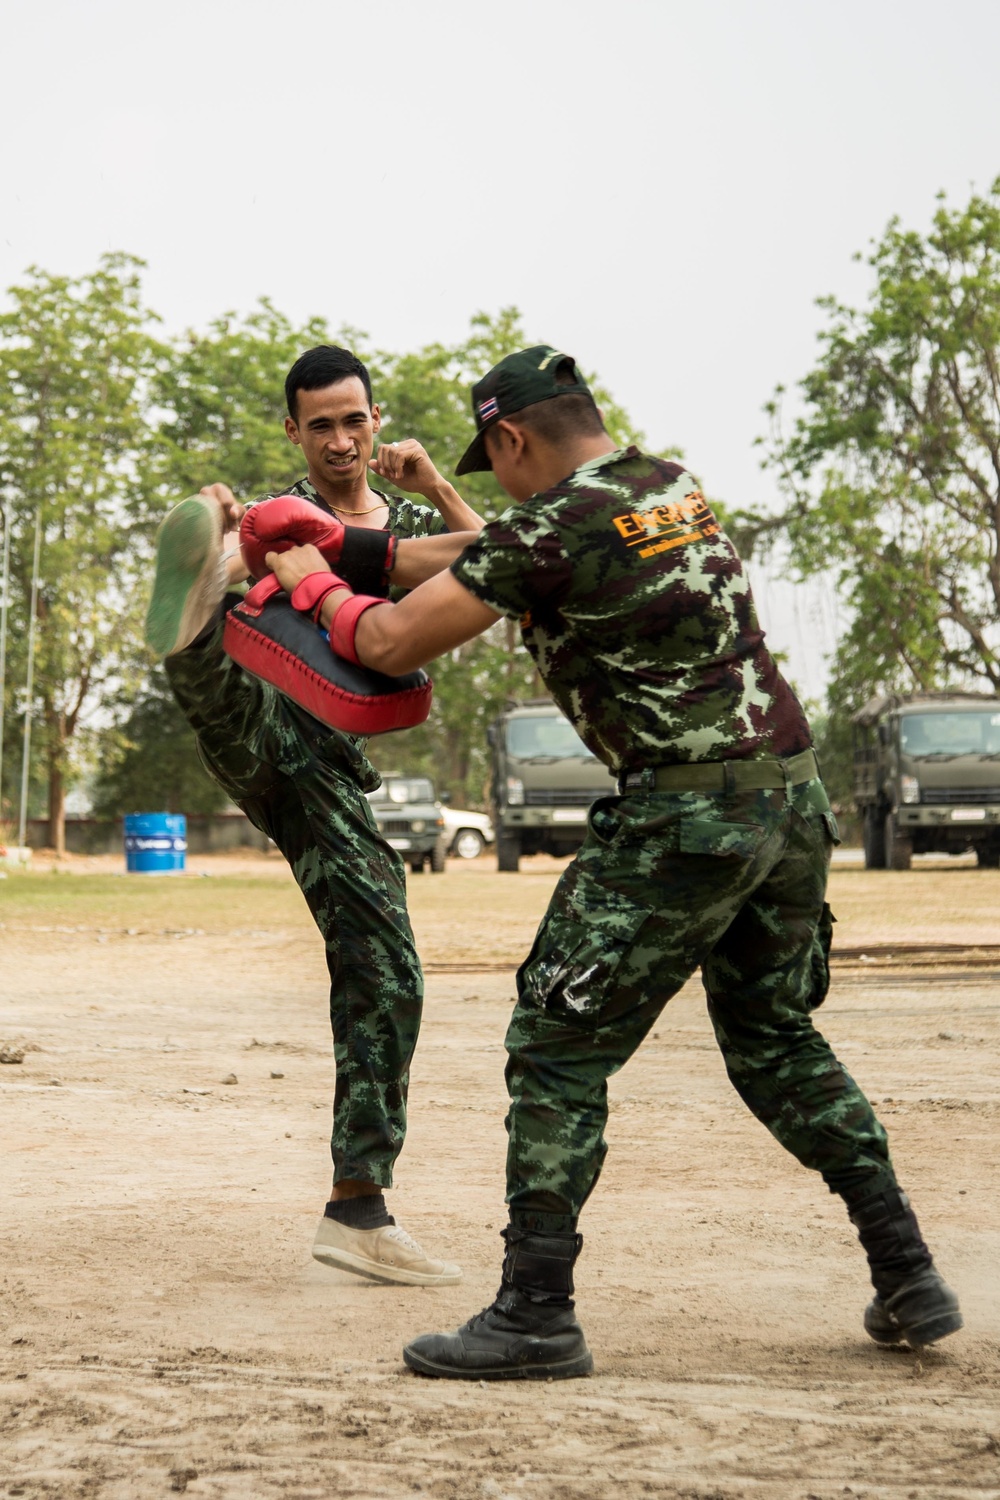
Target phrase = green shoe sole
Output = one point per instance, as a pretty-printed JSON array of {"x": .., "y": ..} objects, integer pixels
[{"x": 189, "y": 582}]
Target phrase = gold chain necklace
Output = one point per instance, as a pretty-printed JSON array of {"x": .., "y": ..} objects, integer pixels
[{"x": 340, "y": 511}]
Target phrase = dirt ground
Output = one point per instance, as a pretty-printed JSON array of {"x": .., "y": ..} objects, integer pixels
[{"x": 163, "y": 1327}]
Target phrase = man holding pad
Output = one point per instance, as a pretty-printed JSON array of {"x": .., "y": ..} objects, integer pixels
[{"x": 637, "y": 610}]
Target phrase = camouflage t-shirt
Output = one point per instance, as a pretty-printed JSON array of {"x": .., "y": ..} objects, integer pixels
[{"x": 637, "y": 610}]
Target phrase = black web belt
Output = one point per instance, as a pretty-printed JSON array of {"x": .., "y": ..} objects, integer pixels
[{"x": 723, "y": 775}]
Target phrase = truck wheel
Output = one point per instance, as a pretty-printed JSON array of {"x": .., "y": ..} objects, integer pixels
[
  {"x": 508, "y": 850},
  {"x": 874, "y": 840},
  {"x": 469, "y": 843},
  {"x": 988, "y": 859},
  {"x": 437, "y": 858},
  {"x": 898, "y": 850},
  {"x": 417, "y": 863}
]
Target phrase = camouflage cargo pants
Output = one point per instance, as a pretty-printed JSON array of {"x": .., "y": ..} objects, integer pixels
[
  {"x": 666, "y": 882},
  {"x": 301, "y": 784}
]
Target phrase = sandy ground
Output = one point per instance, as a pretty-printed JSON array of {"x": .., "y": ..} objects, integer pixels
[{"x": 164, "y": 1327}]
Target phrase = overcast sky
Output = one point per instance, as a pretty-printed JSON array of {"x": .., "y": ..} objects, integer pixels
[{"x": 662, "y": 188}]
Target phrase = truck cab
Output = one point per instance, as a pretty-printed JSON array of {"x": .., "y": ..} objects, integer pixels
[
  {"x": 543, "y": 781},
  {"x": 927, "y": 777}
]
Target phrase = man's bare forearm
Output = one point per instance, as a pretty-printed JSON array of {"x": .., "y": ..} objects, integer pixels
[
  {"x": 408, "y": 466},
  {"x": 394, "y": 638},
  {"x": 435, "y": 618},
  {"x": 458, "y": 515},
  {"x": 420, "y": 557}
]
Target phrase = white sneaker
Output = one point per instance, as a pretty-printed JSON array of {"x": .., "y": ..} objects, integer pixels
[{"x": 385, "y": 1254}]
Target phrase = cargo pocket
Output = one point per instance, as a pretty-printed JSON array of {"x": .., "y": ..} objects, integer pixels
[
  {"x": 709, "y": 836},
  {"x": 820, "y": 962},
  {"x": 603, "y": 822},
  {"x": 576, "y": 964},
  {"x": 812, "y": 803}
]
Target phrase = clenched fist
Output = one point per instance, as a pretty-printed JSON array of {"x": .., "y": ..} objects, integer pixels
[{"x": 406, "y": 465}]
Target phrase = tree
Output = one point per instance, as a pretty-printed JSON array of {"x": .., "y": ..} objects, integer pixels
[
  {"x": 221, "y": 408},
  {"x": 891, "y": 475},
  {"x": 149, "y": 761},
  {"x": 222, "y": 402},
  {"x": 76, "y": 356},
  {"x": 426, "y": 395},
  {"x": 102, "y": 428}
]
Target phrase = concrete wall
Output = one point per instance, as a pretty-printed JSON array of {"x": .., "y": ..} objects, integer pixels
[{"x": 206, "y": 834}]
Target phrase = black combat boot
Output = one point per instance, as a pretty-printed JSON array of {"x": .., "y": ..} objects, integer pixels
[
  {"x": 529, "y": 1332},
  {"x": 911, "y": 1300}
]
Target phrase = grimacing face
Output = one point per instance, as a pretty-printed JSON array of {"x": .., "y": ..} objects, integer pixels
[{"x": 335, "y": 428}]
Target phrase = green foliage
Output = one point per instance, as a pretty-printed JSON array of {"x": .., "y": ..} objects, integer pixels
[
  {"x": 76, "y": 358},
  {"x": 149, "y": 760},
  {"x": 106, "y": 427},
  {"x": 13, "y": 750},
  {"x": 222, "y": 397},
  {"x": 831, "y": 728},
  {"x": 426, "y": 395},
  {"x": 892, "y": 474}
]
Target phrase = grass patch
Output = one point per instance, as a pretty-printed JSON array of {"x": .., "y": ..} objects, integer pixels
[{"x": 216, "y": 903}]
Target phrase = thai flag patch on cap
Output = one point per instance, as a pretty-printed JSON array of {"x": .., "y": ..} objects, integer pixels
[{"x": 488, "y": 408}]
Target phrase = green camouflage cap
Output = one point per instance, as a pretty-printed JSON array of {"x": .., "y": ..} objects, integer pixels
[{"x": 518, "y": 381}]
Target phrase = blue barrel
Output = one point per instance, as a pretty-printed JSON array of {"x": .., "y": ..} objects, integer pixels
[{"x": 155, "y": 843}]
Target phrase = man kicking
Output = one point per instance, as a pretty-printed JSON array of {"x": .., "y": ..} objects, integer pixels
[
  {"x": 303, "y": 784},
  {"x": 715, "y": 854}
]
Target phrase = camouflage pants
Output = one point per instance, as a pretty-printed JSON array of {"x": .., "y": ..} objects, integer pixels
[
  {"x": 301, "y": 784},
  {"x": 666, "y": 882}
]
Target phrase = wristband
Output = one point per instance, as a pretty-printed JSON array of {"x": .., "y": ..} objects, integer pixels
[
  {"x": 344, "y": 626},
  {"x": 308, "y": 595},
  {"x": 367, "y": 558}
]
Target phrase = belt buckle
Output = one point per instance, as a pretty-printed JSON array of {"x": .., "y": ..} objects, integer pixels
[{"x": 644, "y": 780}]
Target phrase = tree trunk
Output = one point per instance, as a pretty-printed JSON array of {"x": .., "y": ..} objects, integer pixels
[
  {"x": 57, "y": 810},
  {"x": 57, "y": 784}
]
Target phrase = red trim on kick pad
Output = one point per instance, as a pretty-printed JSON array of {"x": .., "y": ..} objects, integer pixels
[{"x": 354, "y": 713}]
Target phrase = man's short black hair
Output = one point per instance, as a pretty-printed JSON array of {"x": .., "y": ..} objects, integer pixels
[
  {"x": 560, "y": 419},
  {"x": 317, "y": 368}
]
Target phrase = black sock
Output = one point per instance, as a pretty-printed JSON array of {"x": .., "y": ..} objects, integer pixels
[{"x": 367, "y": 1212}]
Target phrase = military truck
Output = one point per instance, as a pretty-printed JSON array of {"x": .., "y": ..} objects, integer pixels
[
  {"x": 927, "y": 777},
  {"x": 543, "y": 781}
]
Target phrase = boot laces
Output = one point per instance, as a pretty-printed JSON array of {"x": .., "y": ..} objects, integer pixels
[{"x": 480, "y": 1317}]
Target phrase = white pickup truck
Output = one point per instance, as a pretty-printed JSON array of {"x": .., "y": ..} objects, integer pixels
[{"x": 466, "y": 834}]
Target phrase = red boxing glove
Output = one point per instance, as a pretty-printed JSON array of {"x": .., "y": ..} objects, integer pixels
[
  {"x": 308, "y": 595},
  {"x": 345, "y": 625},
  {"x": 284, "y": 522},
  {"x": 365, "y": 557}
]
